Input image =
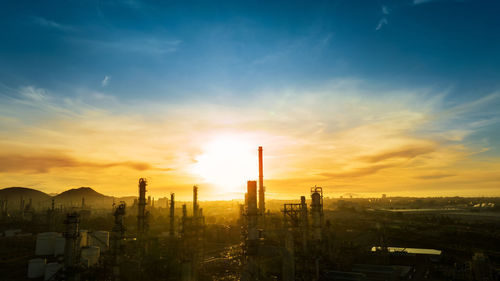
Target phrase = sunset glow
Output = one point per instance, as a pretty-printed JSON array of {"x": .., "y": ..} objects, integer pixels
[
  {"x": 395, "y": 99},
  {"x": 227, "y": 162}
]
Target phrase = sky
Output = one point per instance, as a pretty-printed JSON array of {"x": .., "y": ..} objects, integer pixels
[{"x": 359, "y": 97}]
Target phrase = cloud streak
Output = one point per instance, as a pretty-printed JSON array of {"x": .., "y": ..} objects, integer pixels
[
  {"x": 406, "y": 153},
  {"x": 15, "y": 163},
  {"x": 381, "y": 23},
  {"x": 52, "y": 24},
  {"x": 360, "y": 172},
  {"x": 105, "y": 81},
  {"x": 435, "y": 176}
]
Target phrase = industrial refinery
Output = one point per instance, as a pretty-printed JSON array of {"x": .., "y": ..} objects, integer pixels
[{"x": 312, "y": 238}]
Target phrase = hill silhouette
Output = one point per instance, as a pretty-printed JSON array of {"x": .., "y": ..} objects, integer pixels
[
  {"x": 14, "y": 195},
  {"x": 74, "y": 197},
  {"x": 78, "y": 193},
  {"x": 71, "y": 197}
]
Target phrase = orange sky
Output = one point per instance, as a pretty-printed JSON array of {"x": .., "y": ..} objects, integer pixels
[{"x": 339, "y": 136}]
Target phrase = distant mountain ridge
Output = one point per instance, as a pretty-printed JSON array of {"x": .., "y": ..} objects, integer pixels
[
  {"x": 15, "y": 193},
  {"x": 72, "y": 197},
  {"x": 80, "y": 192}
]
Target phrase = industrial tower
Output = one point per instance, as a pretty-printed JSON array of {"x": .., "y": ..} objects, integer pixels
[{"x": 262, "y": 199}]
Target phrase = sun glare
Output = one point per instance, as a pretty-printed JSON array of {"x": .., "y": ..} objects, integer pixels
[{"x": 228, "y": 162}]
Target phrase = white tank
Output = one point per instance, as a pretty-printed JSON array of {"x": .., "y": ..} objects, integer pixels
[
  {"x": 45, "y": 242},
  {"x": 51, "y": 269},
  {"x": 84, "y": 241},
  {"x": 59, "y": 245},
  {"x": 91, "y": 255},
  {"x": 12, "y": 232},
  {"x": 100, "y": 239},
  {"x": 36, "y": 268}
]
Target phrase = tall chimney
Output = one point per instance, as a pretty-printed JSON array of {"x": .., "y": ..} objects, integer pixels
[
  {"x": 195, "y": 201},
  {"x": 141, "y": 216},
  {"x": 262, "y": 202},
  {"x": 172, "y": 215}
]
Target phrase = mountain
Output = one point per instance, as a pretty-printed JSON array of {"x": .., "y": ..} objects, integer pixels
[
  {"x": 71, "y": 197},
  {"x": 14, "y": 194},
  {"x": 74, "y": 197}
]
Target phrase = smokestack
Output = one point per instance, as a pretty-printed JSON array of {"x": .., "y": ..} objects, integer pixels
[
  {"x": 172, "y": 215},
  {"x": 142, "y": 207},
  {"x": 251, "y": 271},
  {"x": 252, "y": 212},
  {"x": 262, "y": 202},
  {"x": 195, "y": 201}
]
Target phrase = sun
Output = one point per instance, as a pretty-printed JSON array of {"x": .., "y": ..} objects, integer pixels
[{"x": 227, "y": 162}]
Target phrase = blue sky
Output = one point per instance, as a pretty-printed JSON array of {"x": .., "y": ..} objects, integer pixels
[
  {"x": 202, "y": 49},
  {"x": 434, "y": 58}
]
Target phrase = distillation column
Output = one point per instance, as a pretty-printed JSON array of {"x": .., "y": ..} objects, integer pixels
[
  {"x": 118, "y": 235},
  {"x": 252, "y": 267},
  {"x": 71, "y": 248},
  {"x": 195, "y": 201},
  {"x": 262, "y": 199},
  {"x": 317, "y": 211},
  {"x": 141, "y": 221},
  {"x": 172, "y": 214},
  {"x": 317, "y": 223},
  {"x": 304, "y": 223}
]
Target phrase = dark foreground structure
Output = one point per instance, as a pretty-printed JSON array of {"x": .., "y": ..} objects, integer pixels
[{"x": 312, "y": 238}]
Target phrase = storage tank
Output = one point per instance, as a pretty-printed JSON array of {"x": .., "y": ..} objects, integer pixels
[
  {"x": 36, "y": 268},
  {"x": 59, "y": 245},
  {"x": 45, "y": 242},
  {"x": 12, "y": 232},
  {"x": 91, "y": 255},
  {"x": 100, "y": 239},
  {"x": 51, "y": 269},
  {"x": 84, "y": 241}
]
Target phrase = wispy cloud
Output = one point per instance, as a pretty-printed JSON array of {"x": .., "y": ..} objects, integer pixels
[
  {"x": 435, "y": 176},
  {"x": 52, "y": 24},
  {"x": 360, "y": 172},
  {"x": 404, "y": 152},
  {"x": 105, "y": 81},
  {"x": 139, "y": 45},
  {"x": 418, "y": 2},
  {"x": 44, "y": 163},
  {"x": 385, "y": 10},
  {"x": 382, "y": 22},
  {"x": 33, "y": 93}
]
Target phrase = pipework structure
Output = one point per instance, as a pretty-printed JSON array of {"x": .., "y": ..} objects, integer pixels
[
  {"x": 117, "y": 238},
  {"x": 191, "y": 239},
  {"x": 317, "y": 211},
  {"x": 71, "y": 248}
]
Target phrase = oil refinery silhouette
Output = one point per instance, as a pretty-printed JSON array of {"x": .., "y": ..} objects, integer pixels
[{"x": 84, "y": 235}]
